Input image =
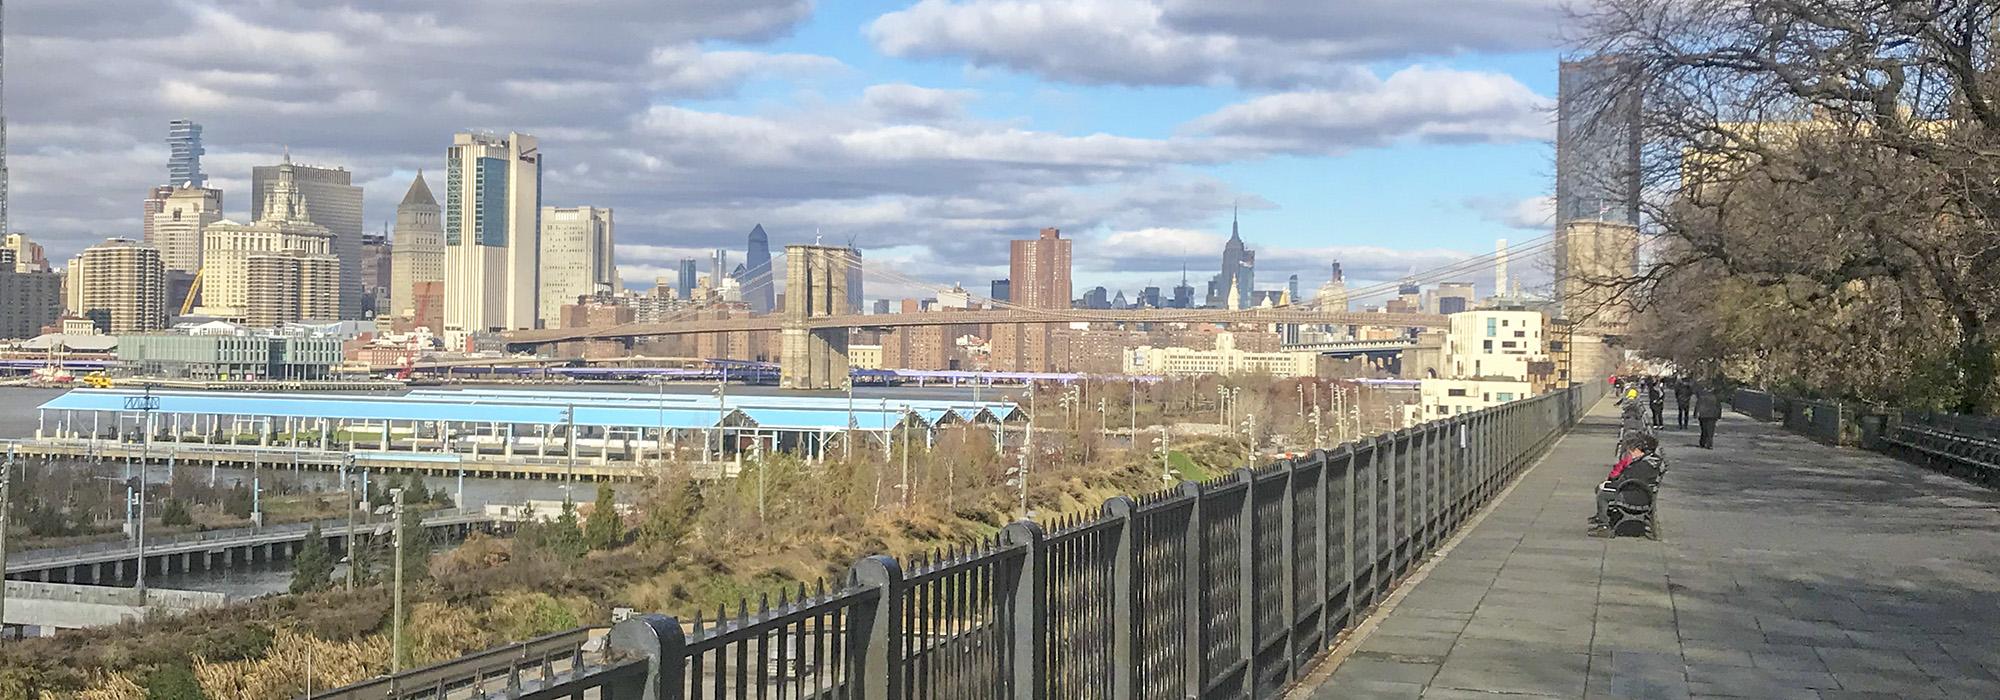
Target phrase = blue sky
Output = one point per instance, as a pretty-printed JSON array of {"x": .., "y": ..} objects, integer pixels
[{"x": 1390, "y": 134}]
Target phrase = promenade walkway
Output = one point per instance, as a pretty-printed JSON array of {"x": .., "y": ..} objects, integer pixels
[{"x": 1785, "y": 569}]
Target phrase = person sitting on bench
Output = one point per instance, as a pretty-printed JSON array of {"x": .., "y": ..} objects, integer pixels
[{"x": 1641, "y": 462}]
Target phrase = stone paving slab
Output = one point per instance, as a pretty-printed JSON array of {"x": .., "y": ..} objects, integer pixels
[{"x": 1785, "y": 569}]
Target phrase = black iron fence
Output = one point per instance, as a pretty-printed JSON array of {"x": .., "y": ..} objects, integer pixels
[
  {"x": 1229, "y": 588},
  {"x": 1828, "y": 422}
]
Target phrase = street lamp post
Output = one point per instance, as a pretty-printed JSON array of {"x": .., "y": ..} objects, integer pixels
[
  {"x": 721, "y": 412},
  {"x": 145, "y": 405},
  {"x": 569, "y": 416},
  {"x": 6, "y": 484},
  {"x": 847, "y": 438},
  {"x": 1250, "y": 438},
  {"x": 353, "y": 504},
  {"x": 396, "y": 631}
]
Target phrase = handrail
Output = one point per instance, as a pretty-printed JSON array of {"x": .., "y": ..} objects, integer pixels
[
  {"x": 1232, "y": 587},
  {"x": 469, "y": 668}
]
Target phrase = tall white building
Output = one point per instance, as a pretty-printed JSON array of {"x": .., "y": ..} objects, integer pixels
[
  {"x": 177, "y": 228},
  {"x": 331, "y": 200},
  {"x": 576, "y": 257},
  {"x": 417, "y": 250},
  {"x": 492, "y": 201}
]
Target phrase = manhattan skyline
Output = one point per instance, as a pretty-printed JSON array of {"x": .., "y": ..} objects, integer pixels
[{"x": 930, "y": 133}]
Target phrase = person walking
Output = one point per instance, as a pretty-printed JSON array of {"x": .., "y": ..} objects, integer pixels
[
  {"x": 1683, "y": 399},
  {"x": 1656, "y": 399},
  {"x": 1707, "y": 410}
]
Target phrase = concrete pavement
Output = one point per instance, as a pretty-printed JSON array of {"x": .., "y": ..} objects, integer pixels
[{"x": 1785, "y": 569}]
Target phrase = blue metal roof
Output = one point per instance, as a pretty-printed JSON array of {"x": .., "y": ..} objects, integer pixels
[{"x": 374, "y": 408}]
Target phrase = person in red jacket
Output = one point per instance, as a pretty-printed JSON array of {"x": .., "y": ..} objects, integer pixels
[{"x": 1640, "y": 462}]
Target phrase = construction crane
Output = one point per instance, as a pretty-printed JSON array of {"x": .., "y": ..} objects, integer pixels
[{"x": 194, "y": 290}]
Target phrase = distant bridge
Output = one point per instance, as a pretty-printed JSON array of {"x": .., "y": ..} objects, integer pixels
[
  {"x": 1340, "y": 347},
  {"x": 778, "y": 321},
  {"x": 117, "y": 562}
]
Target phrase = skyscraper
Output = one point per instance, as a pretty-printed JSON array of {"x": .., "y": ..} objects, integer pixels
[
  {"x": 277, "y": 269},
  {"x": 123, "y": 279},
  {"x": 492, "y": 200},
  {"x": 1597, "y": 149},
  {"x": 1292, "y": 286},
  {"x": 417, "y": 252},
  {"x": 1039, "y": 270},
  {"x": 1002, "y": 290},
  {"x": 757, "y": 273},
  {"x": 1597, "y": 141},
  {"x": 331, "y": 200},
  {"x": 377, "y": 266},
  {"x": 855, "y": 303},
  {"x": 1183, "y": 293},
  {"x": 177, "y": 228},
  {"x": 184, "y": 153},
  {"x": 1234, "y": 284},
  {"x": 684, "y": 287},
  {"x": 576, "y": 258}
]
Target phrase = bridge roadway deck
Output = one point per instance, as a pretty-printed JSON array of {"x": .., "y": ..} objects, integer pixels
[
  {"x": 1785, "y": 569},
  {"x": 38, "y": 560}
]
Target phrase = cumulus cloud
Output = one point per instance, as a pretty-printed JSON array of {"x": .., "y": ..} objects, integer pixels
[
  {"x": 903, "y": 101},
  {"x": 1416, "y": 103},
  {"x": 687, "y": 70},
  {"x": 379, "y": 86},
  {"x": 1259, "y": 43},
  {"x": 1533, "y": 213}
]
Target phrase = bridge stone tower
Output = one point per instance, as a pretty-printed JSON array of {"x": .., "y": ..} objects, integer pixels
[{"x": 815, "y": 285}]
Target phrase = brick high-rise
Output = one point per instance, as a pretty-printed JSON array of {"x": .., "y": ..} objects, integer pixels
[{"x": 1039, "y": 271}]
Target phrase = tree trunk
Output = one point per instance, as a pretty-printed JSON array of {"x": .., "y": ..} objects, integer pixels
[{"x": 1976, "y": 365}]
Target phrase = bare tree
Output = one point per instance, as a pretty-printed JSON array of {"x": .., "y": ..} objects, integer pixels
[{"x": 1840, "y": 158}]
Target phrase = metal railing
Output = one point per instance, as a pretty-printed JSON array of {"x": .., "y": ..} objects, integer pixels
[
  {"x": 1823, "y": 421},
  {"x": 1231, "y": 587},
  {"x": 1760, "y": 405}
]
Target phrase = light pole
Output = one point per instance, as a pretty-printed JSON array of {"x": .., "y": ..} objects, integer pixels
[
  {"x": 1318, "y": 438},
  {"x": 1250, "y": 438},
  {"x": 569, "y": 479},
  {"x": 721, "y": 412},
  {"x": 847, "y": 438},
  {"x": 6, "y": 484},
  {"x": 1135, "y": 412},
  {"x": 353, "y": 504},
  {"x": 145, "y": 405},
  {"x": 661, "y": 446},
  {"x": 1222, "y": 405},
  {"x": 396, "y": 631},
  {"x": 1166, "y": 454}
]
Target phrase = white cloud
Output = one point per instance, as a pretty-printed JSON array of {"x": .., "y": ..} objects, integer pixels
[
  {"x": 379, "y": 87},
  {"x": 1533, "y": 213},
  {"x": 1266, "y": 43},
  {"x": 690, "y": 71},
  {"x": 914, "y": 103},
  {"x": 1416, "y": 103}
]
